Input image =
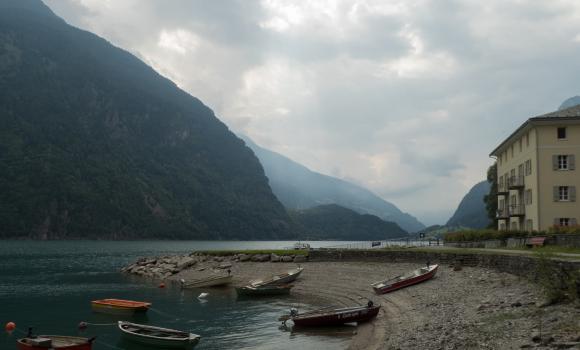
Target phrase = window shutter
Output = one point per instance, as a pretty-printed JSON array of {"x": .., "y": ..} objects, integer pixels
[
  {"x": 556, "y": 221},
  {"x": 572, "y": 193},
  {"x": 571, "y": 162},
  {"x": 556, "y": 194},
  {"x": 573, "y": 222},
  {"x": 555, "y": 162}
]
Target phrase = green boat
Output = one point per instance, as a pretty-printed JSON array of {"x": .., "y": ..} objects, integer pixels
[
  {"x": 157, "y": 336},
  {"x": 264, "y": 290}
]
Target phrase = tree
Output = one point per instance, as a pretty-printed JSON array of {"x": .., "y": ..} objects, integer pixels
[{"x": 491, "y": 199}]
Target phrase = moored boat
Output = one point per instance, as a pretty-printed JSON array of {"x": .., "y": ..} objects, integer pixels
[
  {"x": 264, "y": 290},
  {"x": 56, "y": 342},
  {"x": 333, "y": 317},
  {"x": 119, "y": 306},
  {"x": 282, "y": 278},
  {"x": 157, "y": 336},
  {"x": 211, "y": 281},
  {"x": 398, "y": 282}
]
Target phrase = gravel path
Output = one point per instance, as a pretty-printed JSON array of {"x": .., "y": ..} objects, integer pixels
[{"x": 469, "y": 309}]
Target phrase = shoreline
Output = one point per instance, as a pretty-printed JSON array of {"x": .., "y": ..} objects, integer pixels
[{"x": 474, "y": 308}]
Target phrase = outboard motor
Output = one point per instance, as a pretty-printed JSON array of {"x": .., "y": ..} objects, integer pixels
[{"x": 370, "y": 304}]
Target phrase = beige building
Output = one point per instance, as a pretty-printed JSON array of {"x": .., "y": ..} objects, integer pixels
[{"x": 537, "y": 175}]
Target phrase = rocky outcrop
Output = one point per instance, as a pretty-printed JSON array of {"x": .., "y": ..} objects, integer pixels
[{"x": 166, "y": 266}]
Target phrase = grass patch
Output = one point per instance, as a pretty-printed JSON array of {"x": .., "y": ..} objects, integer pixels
[
  {"x": 549, "y": 249},
  {"x": 255, "y": 251}
]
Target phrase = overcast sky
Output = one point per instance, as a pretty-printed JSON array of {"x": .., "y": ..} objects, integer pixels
[{"x": 405, "y": 97}]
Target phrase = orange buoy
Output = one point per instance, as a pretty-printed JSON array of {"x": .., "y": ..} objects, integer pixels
[
  {"x": 161, "y": 285},
  {"x": 10, "y": 326}
]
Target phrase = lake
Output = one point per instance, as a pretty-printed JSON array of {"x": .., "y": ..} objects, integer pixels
[{"x": 48, "y": 285}]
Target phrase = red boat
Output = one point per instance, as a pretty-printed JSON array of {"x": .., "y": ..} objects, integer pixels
[
  {"x": 333, "y": 317},
  {"x": 56, "y": 342},
  {"x": 406, "y": 280}
]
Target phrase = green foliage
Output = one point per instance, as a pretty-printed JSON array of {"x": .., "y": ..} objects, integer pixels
[
  {"x": 565, "y": 230},
  {"x": 95, "y": 144},
  {"x": 338, "y": 223},
  {"x": 491, "y": 198},
  {"x": 481, "y": 235},
  {"x": 557, "y": 285}
]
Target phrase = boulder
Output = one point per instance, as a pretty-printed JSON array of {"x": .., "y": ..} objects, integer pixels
[
  {"x": 245, "y": 257},
  {"x": 225, "y": 265},
  {"x": 274, "y": 257},
  {"x": 287, "y": 258},
  {"x": 185, "y": 263},
  {"x": 299, "y": 259},
  {"x": 261, "y": 257}
]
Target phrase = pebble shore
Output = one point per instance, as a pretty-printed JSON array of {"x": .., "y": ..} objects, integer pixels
[{"x": 472, "y": 308}]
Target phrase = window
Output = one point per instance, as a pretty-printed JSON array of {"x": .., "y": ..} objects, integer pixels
[
  {"x": 520, "y": 170},
  {"x": 529, "y": 225},
  {"x": 561, "y": 133},
  {"x": 501, "y": 183},
  {"x": 528, "y": 139},
  {"x": 563, "y": 193},
  {"x": 564, "y": 221},
  {"x": 528, "y": 197},
  {"x": 502, "y": 226},
  {"x": 528, "y": 167},
  {"x": 514, "y": 226},
  {"x": 520, "y": 145},
  {"x": 562, "y": 162}
]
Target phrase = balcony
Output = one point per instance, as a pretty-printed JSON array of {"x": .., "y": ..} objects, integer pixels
[
  {"x": 502, "y": 214},
  {"x": 502, "y": 190},
  {"x": 517, "y": 210},
  {"x": 516, "y": 182}
]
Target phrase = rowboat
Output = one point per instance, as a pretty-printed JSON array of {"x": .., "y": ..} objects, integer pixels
[
  {"x": 333, "y": 317},
  {"x": 212, "y": 281},
  {"x": 56, "y": 342},
  {"x": 282, "y": 278},
  {"x": 157, "y": 336},
  {"x": 264, "y": 290},
  {"x": 413, "y": 277},
  {"x": 117, "y": 306}
]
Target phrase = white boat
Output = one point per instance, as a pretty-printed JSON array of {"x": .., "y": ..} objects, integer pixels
[
  {"x": 211, "y": 281},
  {"x": 282, "y": 278},
  {"x": 157, "y": 336},
  {"x": 300, "y": 246}
]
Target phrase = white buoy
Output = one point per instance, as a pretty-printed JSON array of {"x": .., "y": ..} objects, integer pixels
[{"x": 203, "y": 295}]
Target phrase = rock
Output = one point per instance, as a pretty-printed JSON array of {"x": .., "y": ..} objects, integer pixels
[
  {"x": 516, "y": 304},
  {"x": 262, "y": 257},
  {"x": 274, "y": 257},
  {"x": 245, "y": 257},
  {"x": 218, "y": 258},
  {"x": 185, "y": 262},
  {"x": 526, "y": 346},
  {"x": 536, "y": 337},
  {"x": 299, "y": 259},
  {"x": 287, "y": 258},
  {"x": 225, "y": 265}
]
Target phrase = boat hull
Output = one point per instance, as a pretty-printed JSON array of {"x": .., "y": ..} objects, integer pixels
[
  {"x": 58, "y": 343},
  {"x": 207, "y": 283},
  {"x": 119, "y": 307},
  {"x": 186, "y": 343},
  {"x": 337, "y": 318},
  {"x": 276, "y": 280},
  {"x": 264, "y": 290},
  {"x": 407, "y": 282}
]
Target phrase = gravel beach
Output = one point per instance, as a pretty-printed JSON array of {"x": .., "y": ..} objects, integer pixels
[{"x": 473, "y": 308}]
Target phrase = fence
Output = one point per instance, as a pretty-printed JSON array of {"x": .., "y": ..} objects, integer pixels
[{"x": 387, "y": 244}]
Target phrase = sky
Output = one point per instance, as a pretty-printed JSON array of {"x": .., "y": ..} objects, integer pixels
[{"x": 404, "y": 97}]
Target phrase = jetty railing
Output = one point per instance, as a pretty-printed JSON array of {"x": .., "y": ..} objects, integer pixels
[{"x": 407, "y": 243}]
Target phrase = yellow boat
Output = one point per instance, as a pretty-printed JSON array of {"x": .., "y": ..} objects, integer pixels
[{"x": 119, "y": 306}]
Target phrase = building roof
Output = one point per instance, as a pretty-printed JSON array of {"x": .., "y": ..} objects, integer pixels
[{"x": 564, "y": 116}]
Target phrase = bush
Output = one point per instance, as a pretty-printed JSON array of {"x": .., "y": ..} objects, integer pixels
[{"x": 486, "y": 234}]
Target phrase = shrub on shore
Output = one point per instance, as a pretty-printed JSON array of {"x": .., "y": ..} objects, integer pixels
[{"x": 487, "y": 234}]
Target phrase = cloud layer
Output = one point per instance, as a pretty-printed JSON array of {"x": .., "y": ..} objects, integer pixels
[{"x": 406, "y": 97}]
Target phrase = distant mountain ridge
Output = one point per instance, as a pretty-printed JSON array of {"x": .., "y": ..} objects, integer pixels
[
  {"x": 96, "y": 144},
  {"x": 297, "y": 187},
  {"x": 332, "y": 221},
  {"x": 570, "y": 102},
  {"x": 471, "y": 212}
]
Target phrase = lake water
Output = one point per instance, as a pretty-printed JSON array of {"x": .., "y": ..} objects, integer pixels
[{"x": 49, "y": 285}]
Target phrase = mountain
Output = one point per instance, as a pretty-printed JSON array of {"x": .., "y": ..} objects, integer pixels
[
  {"x": 332, "y": 221},
  {"x": 297, "y": 187},
  {"x": 471, "y": 212},
  {"x": 571, "y": 102},
  {"x": 95, "y": 144}
]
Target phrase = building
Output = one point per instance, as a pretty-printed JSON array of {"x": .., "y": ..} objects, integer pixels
[{"x": 537, "y": 175}]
